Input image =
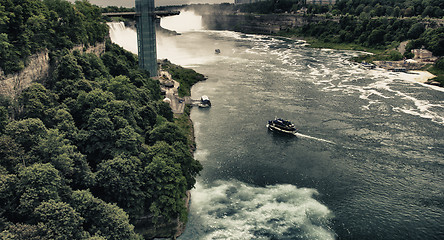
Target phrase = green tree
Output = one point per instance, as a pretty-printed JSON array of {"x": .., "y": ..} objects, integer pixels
[
  {"x": 20, "y": 231},
  {"x": 168, "y": 132},
  {"x": 93, "y": 24},
  {"x": 68, "y": 68},
  {"x": 189, "y": 166},
  {"x": 433, "y": 40},
  {"x": 100, "y": 136},
  {"x": 429, "y": 11},
  {"x": 71, "y": 164},
  {"x": 66, "y": 75},
  {"x": 38, "y": 183},
  {"x": 11, "y": 154},
  {"x": 8, "y": 196},
  {"x": 119, "y": 181},
  {"x": 179, "y": 153},
  {"x": 61, "y": 119},
  {"x": 35, "y": 100},
  {"x": 166, "y": 187},
  {"x": 122, "y": 88},
  {"x": 396, "y": 12},
  {"x": 101, "y": 218},
  {"x": 92, "y": 65},
  {"x": 8, "y": 63},
  {"x": 127, "y": 141},
  {"x": 409, "y": 12},
  {"x": 88, "y": 102},
  {"x": 439, "y": 64},
  {"x": 376, "y": 37},
  {"x": 164, "y": 109},
  {"x": 117, "y": 60},
  {"x": 60, "y": 220},
  {"x": 415, "y": 31},
  {"x": 4, "y": 118},
  {"x": 67, "y": 23},
  {"x": 147, "y": 117},
  {"x": 124, "y": 110},
  {"x": 26, "y": 132}
]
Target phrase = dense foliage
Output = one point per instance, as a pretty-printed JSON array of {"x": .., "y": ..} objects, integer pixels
[
  {"x": 395, "y": 8},
  {"x": 91, "y": 149},
  {"x": 364, "y": 8},
  {"x": 29, "y": 26},
  {"x": 109, "y": 9},
  {"x": 378, "y": 32}
]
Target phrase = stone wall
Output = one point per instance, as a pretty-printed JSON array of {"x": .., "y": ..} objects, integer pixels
[
  {"x": 257, "y": 23},
  {"x": 36, "y": 70}
]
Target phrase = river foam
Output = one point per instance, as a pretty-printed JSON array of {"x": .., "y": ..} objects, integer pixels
[{"x": 235, "y": 210}]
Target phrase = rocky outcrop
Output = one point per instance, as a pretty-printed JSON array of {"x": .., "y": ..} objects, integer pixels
[
  {"x": 98, "y": 49},
  {"x": 36, "y": 70},
  {"x": 257, "y": 23}
]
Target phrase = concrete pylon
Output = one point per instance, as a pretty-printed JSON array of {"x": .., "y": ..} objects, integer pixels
[{"x": 146, "y": 36}]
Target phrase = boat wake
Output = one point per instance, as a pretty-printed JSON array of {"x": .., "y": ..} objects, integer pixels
[{"x": 314, "y": 138}]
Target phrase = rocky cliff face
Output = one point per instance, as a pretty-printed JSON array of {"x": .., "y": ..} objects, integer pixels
[
  {"x": 257, "y": 23},
  {"x": 36, "y": 70}
]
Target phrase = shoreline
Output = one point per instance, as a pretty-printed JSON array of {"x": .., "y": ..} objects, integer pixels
[
  {"x": 419, "y": 76},
  {"x": 183, "y": 120}
]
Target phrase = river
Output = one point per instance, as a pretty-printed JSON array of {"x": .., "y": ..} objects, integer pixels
[{"x": 368, "y": 162}]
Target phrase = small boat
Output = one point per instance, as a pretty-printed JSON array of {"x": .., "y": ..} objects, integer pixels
[
  {"x": 367, "y": 65},
  {"x": 204, "y": 102},
  {"x": 217, "y": 51},
  {"x": 281, "y": 125},
  {"x": 400, "y": 69}
]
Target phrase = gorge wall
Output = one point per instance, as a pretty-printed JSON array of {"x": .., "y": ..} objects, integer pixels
[
  {"x": 257, "y": 23},
  {"x": 36, "y": 70}
]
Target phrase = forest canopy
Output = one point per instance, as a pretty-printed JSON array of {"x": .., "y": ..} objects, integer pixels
[
  {"x": 30, "y": 26},
  {"x": 90, "y": 150}
]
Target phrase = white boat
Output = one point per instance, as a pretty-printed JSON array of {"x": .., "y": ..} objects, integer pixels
[
  {"x": 282, "y": 126},
  {"x": 204, "y": 102}
]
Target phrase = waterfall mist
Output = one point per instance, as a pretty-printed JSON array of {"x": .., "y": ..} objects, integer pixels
[
  {"x": 182, "y": 49},
  {"x": 186, "y": 21},
  {"x": 123, "y": 36}
]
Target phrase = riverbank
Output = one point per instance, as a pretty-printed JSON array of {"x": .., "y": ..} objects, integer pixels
[
  {"x": 417, "y": 71},
  {"x": 184, "y": 80}
]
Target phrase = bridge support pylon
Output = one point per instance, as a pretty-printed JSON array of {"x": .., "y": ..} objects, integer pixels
[{"x": 146, "y": 36}]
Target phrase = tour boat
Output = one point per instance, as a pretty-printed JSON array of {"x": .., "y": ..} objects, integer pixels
[
  {"x": 205, "y": 102},
  {"x": 281, "y": 125}
]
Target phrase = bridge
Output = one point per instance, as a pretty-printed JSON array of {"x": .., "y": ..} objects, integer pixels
[
  {"x": 145, "y": 16},
  {"x": 136, "y": 14}
]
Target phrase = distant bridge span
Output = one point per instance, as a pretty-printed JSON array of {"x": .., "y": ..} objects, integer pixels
[{"x": 136, "y": 14}]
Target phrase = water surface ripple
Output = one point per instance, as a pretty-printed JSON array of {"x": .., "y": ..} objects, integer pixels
[{"x": 381, "y": 179}]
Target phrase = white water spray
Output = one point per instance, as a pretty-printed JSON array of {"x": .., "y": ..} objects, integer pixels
[
  {"x": 185, "y": 22},
  {"x": 123, "y": 36},
  {"x": 235, "y": 210}
]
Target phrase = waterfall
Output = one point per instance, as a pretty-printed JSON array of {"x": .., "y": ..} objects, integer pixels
[{"x": 125, "y": 37}]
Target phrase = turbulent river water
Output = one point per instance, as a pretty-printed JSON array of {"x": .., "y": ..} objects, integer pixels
[{"x": 368, "y": 162}]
